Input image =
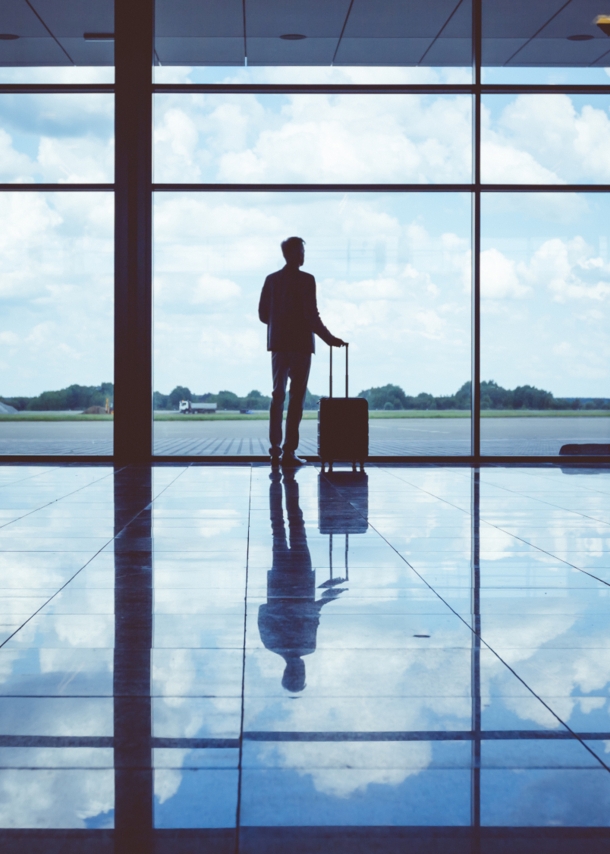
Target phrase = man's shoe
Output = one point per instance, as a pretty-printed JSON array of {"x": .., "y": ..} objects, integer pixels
[{"x": 290, "y": 460}]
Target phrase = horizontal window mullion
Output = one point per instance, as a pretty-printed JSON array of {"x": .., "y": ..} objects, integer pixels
[
  {"x": 315, "y": 188},
  {"x": 374, "y": 188},
  {"x": 381, "y": 88},
  {"x": 56, "y": 88},
  {"x": 545, "y": 188},
  {"x": 316, "y": 88},
  {"x": 544, "y": 89},
  {"x": 313, "y": 88},
  {"x": 52, "y": 188}
]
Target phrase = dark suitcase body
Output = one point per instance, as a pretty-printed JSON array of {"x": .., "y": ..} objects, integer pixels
[{"x": 343, "y": 427}]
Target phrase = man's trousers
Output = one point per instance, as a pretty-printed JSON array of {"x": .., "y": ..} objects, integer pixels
[{"x": 294, "y": 366}]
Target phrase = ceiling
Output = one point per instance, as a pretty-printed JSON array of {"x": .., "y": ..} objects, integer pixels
[{"x": 339, "y": 32}]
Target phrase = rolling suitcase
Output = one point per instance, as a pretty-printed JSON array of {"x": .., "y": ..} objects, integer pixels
[{"x": 343, "y": 425}]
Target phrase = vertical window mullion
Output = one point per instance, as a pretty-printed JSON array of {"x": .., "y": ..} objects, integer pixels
[{"x": 133, "y": 231}]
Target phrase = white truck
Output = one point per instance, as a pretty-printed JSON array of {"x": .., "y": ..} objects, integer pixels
[{"x": 187, "y": 407}]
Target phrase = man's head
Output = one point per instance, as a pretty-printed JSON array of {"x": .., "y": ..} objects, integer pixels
[
  {"x": 293, "y": 250},
  {"x": 293, "y": 679}
]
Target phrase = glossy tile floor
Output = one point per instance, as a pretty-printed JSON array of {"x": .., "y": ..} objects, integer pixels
[{"x": 216, "y": 658}]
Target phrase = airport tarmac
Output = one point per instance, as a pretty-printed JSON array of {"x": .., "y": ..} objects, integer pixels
[{"x": 399, "y": 436}]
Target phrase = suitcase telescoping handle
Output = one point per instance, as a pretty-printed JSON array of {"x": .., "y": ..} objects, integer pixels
[{"x": 346, "y": 372}]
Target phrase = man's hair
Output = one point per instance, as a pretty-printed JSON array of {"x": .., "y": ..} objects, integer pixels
[{"x": 290, "y": 245}]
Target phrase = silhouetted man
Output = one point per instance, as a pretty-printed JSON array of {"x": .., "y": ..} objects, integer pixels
[
  {"x": 289, "y": 308},
  {"x": 288, "y": 621}
]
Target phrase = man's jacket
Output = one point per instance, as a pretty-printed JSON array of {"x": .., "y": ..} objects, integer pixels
[{"x": 288, "y": 306}]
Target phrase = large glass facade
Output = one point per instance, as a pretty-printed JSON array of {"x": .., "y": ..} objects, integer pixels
[
  {"x": 396, "y": 143},
  {"x": 393, "y": 277},
  {"x": 393, "y": 267}
]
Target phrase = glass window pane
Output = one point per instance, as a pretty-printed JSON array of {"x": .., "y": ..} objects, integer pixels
[
  {"x": 56, "y": 138},
  {"x": 393, "y": 273},
  {"x": 545, "y": 280},
  {"x": 56, "y": 332},
  {"x": 318, "y": 74},
  {"x": 546, "y": 139},
  {"x": 312, "y": 138},
  {"x": 59, "y": 74},
  {"x": 547, "y": 76}
]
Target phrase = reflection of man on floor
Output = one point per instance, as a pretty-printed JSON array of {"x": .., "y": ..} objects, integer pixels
[
  {"x": 288, "y": 622},
  {"x": 288, "y": 306}
]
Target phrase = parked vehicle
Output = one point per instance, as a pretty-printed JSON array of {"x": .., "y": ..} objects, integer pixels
[{"x": 187, "y": 407}]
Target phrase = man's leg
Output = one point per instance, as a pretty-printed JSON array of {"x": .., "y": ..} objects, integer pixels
[
  {"x": 279, "y": 369},
  {"x": 300, "y": 363}
]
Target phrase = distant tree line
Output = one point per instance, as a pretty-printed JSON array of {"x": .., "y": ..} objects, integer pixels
[
  {"x": 393, "y": 397},
  {"x": 74, "y": 397},
  {"x": 493, "y": 396},
  {"x": 387, "y": 397}
]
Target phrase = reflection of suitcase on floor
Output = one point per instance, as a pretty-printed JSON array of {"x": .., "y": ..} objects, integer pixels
[
  {"x": 343, "y": 502},
  {"x": 343, "y": 425},
  {"x": 334, "y": 580}
]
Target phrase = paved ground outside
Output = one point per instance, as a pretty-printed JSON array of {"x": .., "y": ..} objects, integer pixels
[{"x": 412, "y": 436}]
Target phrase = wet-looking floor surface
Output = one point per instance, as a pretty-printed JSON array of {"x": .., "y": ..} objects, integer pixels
[{"x": 233, "y": 659}]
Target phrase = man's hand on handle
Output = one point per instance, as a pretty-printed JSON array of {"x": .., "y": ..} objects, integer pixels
[{"x": 338, "y": 342}]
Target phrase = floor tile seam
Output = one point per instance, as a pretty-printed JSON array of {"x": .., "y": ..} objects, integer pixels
[
  {"x": 499, "y": 657},
  {"x": 317, "y": 736},
  {"x": 463, "y": 476},
  {"x": 111, "y": 694},
  {"x": 498, "y": 528},
  {"x": 542, "y": 473},
  {"x": 243, "y": 676},
  {"x": 549, "y": 504},
  {"x": 236, "y": 695},
  {"x": 64, "y": 696},
  {"x": 546, "y": 552},
  {"x": 61, "y": 498},
  {"x": 343, "y": 766},
  {"x": 50, "y": 599},
  {"x": 99, "y": 551},
  {"x": 29, "y": 477},
  {"x": 82, "y": 769},
  {"x": 258, "y": 645}
]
